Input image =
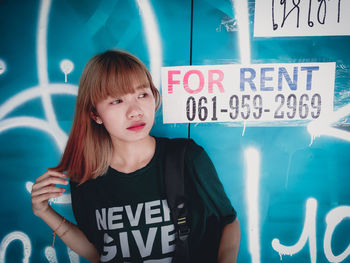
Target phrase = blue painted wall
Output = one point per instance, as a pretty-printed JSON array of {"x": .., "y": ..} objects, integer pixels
[{"x": 293, "y": 172}]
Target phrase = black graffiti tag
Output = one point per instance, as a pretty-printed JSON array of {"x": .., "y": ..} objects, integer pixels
[{"x": 291, "y": 10}]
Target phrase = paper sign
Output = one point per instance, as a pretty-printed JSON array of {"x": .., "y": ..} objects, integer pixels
[
  {"x": 275, "y": 18},
  {"x": 249, "y": 93}
]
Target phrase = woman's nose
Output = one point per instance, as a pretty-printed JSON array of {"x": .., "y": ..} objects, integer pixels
[{"x": 134, "y": 110}]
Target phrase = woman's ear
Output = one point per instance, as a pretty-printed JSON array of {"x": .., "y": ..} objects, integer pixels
[{"x": 95, "y": 117}]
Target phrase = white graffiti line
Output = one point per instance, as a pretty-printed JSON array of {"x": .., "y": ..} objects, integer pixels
[
  {"x": 2, "y": 67},
  {"x": 73, "y": 257},
  {"x": 32, "y": 93},
  {"x": 252, "y": 166},
  {"x": 41, "y": 51},
  {"x": 67, "y": 67},
  {"x": 308, "y": 233},
  {"x": 322, "y": 126},
  {"x": 29, "y": 186},
  {"x": 244, "y": 127},
  {"x": 333, "y": 218},
  {"x": 153, "y": 39},
  {"x": 35, "y": 123},
  {"x": 50, "y": 254},
  {"x": 17, "y": 235},
  {"x": 241, "y": 14}
]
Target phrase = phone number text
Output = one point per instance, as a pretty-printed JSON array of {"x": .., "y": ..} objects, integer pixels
[{"x": 248, "y": 107}]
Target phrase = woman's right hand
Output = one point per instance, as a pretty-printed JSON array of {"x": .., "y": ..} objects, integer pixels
[{"x": 45, "y": 188}]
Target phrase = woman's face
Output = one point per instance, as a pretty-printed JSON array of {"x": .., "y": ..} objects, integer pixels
[{"x": 130, "y": 117}]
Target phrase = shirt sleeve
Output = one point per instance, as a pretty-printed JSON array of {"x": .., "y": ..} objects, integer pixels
[
  {"x": 79, "y": 211},
  {"x": 211, "y": 188}
]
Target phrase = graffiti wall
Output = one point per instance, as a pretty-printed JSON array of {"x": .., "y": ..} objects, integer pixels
[{"x": 263, "y": 85}]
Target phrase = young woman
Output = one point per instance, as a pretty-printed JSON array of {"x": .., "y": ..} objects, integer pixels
[{"x": 116, "y": 176}]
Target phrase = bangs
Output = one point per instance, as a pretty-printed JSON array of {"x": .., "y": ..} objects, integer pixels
[{"x": 116, "y": 77}]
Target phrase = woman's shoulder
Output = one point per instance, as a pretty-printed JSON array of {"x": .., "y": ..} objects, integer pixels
[{"x": 193, "y": 149}]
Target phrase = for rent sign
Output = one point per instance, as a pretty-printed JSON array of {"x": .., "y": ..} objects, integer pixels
[{"x": 251, "y": 93}]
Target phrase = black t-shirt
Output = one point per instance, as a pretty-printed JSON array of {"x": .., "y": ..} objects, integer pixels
[{"x": 127, "y": 218}]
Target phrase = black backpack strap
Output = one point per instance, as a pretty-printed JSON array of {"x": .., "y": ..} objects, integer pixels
[{"x": 174, "y": 186}]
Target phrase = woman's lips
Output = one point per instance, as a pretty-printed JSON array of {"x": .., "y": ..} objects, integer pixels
[{"x": 137, "y": 126}]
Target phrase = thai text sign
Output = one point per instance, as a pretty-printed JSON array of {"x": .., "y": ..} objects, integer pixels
[
  {"x": 274, "y": 18},
  {"x": 252, "y": 93}
]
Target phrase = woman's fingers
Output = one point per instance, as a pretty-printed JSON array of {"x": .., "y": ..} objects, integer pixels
[
  {"x": 50, "y": 173},
  {"x": 48, "y": 180},
  {"x": 40, "y": 203},
  {"x": 47, "y": 189},
  {"x": 44, "y": 198}
]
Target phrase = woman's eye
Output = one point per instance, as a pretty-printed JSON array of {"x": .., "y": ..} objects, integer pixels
[
  {"x": 143, "y": 95},
  {"x": 116, "y": 102}
]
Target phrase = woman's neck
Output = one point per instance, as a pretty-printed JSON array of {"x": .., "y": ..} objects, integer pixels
[{"x": 130, "y": 156}]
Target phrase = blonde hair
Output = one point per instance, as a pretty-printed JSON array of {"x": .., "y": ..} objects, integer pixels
[{"x": 89, "y": 148}]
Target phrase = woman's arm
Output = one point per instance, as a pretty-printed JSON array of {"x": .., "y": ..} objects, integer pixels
[
  {"x": 229, "y": 243},
  {"x": 44, "y": 189}
]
